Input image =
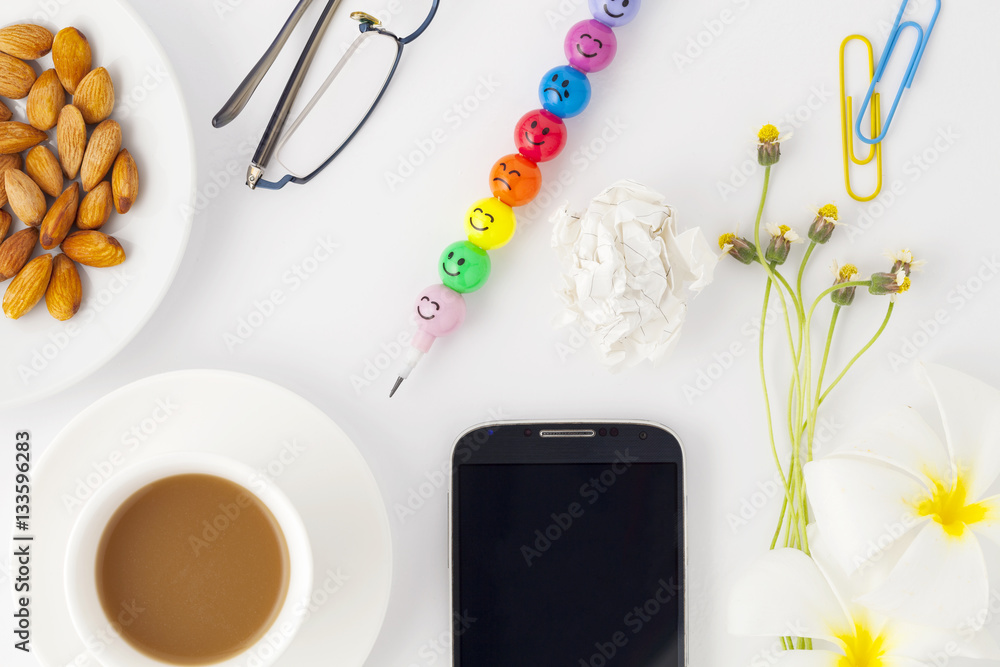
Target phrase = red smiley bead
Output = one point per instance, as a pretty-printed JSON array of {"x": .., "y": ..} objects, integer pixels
[
  {"x": 540, "y": 136},
  {"x": 515, "y": 180}
]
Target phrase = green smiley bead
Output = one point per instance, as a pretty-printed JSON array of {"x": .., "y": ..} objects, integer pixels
[{"x": 464, "y": 267}]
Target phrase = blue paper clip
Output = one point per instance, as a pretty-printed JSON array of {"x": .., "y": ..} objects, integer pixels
[{"x": 918, "y": 53}]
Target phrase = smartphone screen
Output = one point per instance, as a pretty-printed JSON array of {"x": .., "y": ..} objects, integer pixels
[{"x": 569, "y": 553}]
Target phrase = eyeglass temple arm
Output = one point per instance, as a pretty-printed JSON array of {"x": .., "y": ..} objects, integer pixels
[
  {"x": 271, "y": 134},
  {"x": 246, "y": 89}
]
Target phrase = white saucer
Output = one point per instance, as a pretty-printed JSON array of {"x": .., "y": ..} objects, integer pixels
[{"x": 261, "y": 425}]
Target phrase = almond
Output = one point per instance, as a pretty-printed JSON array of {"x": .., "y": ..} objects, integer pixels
[
  {"x": 71, "y": 57},
  {"x": 65, "y": 291},
  {"x": 5, "y": 221},
  {"x": 16, "y": 77},
  {"x": 43, "y": 167},
  {"x": 15, "y": 251},
  {"x": 16, "y": 137},
  {"x": 28, "y": 287},
  {"x": 26, "y": 41},
  {"x": 7, "y": 162},
  {"x": 96, "y": 207},
  {"x": 95, "y": 96},
  {"x": 105, "y": 142},
  {"x": 125, "y": 182},
  {"x": 92, "y": 248},
  {"x": 5, "y": 113},
  {"x": 45, "y": 100},
  {"x": 25, "y": 197},
  {"x": 71, "y": 139},
  {"x": 60, "y": 217}
]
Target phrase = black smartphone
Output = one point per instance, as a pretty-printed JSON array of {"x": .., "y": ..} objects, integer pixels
[{"x": 568, "y": 546}]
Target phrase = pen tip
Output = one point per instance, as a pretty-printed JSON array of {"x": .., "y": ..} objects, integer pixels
[{"x": 399, "y": 381}]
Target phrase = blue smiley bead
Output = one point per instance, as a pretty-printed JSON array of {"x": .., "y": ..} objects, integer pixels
[
  {"x": 564, "y": 91},
  {"x": 615, "y": 13}
]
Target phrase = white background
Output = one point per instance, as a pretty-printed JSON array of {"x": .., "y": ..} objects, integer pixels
[{"x": 681, "y": 127}]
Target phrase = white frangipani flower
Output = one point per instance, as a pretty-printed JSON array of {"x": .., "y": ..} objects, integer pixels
[
  {"x": 898, "y": 495},
  {"x": 787, "y": 593}
]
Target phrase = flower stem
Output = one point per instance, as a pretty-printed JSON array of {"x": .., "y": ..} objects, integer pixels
[
  {"x": 790, "y": 485},
  {"x": 834, "y": 288},
  {"x": 819, "y": 383},
  {"x": 781, "y": 520},
  {"x": 767, "y": 405},
  {"x": 802, "y": 269},
  {"x": 774, "y": 276},
  {"x": 885, "y": 322}
]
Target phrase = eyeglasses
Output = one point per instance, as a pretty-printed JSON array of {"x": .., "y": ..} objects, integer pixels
[{"x": 339, "y": 109}]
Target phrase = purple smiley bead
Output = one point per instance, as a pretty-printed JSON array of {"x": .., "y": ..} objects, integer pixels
[
  {"x": 590, "y": 46},
  {"x": 615, "y": 13}
]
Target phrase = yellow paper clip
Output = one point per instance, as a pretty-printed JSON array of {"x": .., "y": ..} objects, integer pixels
[{"x": 847, "y": 123}]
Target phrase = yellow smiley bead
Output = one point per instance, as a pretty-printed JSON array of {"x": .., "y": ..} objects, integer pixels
[{"x": 490, "y": 223}]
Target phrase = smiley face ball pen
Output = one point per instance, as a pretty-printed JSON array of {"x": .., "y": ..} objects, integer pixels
[{"x": 516, "y": 179}]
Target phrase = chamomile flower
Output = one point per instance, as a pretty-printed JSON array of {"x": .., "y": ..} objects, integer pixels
[
  {"x": 769, "y": 141},
  {"x": 827, "y": 218},
  {"x": 844, "y": 274},
  {"x": 782, "y": 238},
  {"x": 738, "y": 247},
  {"x": 787, "y": 593},
  {"x": 899, "y": 498},
  {"x": 893, "y": 283},
  {"x": 903, "y": 261},
  {"x": 784, "y": 231}
]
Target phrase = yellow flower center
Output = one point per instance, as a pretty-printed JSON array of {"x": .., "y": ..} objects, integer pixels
[
  {"x": 829, "y": 211},
  {"x": 726, "y": 239},
  {"x": 905, "y": 285},
  {"x": 768, "y": 134},
  {"x": 847, "y": 272},
  {"x": 861, "y": 649},
  {"x": 949, "y": 506},
  {"x": 784, "y": 229}
]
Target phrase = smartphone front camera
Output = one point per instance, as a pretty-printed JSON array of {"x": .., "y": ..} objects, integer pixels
[
  {"x": 602, "y": 431},
  {"x": 614, "y": 432},
  {"x": 527, "y": 433},
  {"x": 642, "y": 435}
]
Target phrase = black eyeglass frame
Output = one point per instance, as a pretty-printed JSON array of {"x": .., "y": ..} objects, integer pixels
[{"x": 276, "y": 124}]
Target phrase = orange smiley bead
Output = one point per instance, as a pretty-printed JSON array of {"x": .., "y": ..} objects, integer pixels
[{"x": 515, "y": 180}]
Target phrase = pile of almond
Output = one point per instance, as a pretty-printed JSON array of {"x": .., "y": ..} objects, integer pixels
[{"x": 28, "y": 181}]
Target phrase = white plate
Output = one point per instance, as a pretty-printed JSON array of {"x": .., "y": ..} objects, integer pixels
[
  {"x": 261, "y": 425},
  {"x": 42, "y": 356}
]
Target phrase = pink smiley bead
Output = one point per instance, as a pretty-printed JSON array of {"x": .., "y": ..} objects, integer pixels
[
  {"x": 590, "y": 46},
  {"x": 440, "y": 311},
  {"x": 540, "y": 136}
]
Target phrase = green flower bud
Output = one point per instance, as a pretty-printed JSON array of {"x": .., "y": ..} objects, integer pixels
[
  {"x": 740, "y": 248},
  {"x": 889, "y": 283},
  {"x": 845, "y": 295},
  {"x": 824, "y": 224},
  {"x": 782, "y": 238},
  {"x": 768, "y": 146}
]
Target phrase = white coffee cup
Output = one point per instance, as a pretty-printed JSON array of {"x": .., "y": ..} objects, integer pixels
[{"x": 101, "y": 635}]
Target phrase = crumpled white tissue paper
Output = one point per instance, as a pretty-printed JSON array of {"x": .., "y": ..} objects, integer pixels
[{"x": 624, "y": 269}]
